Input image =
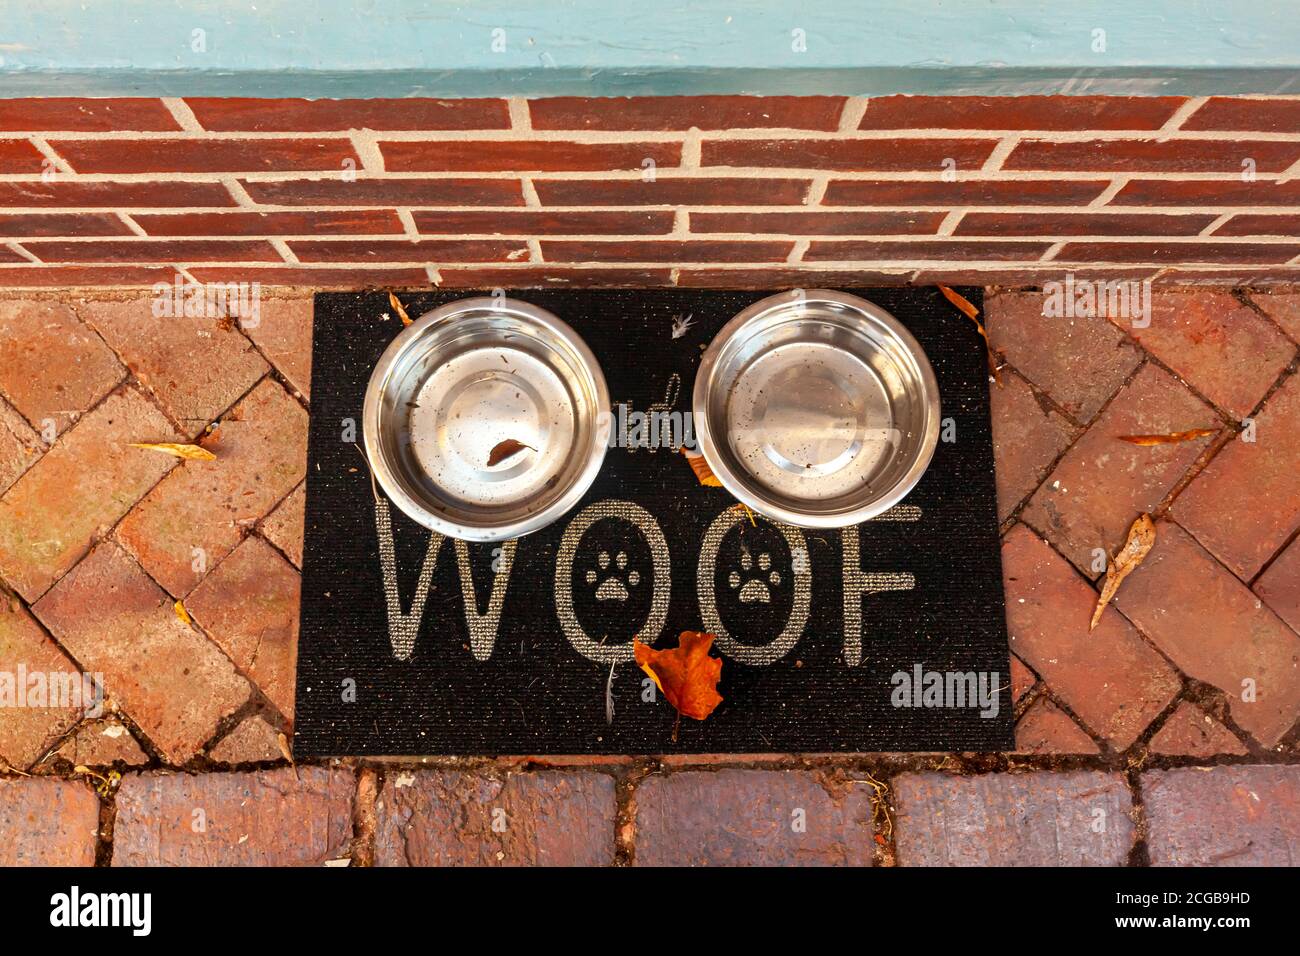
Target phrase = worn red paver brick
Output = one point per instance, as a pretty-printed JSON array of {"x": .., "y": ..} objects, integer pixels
[
  {"x": 98, "y": 115},
  {"x": 1245, "y": 505},
  {"x": 1216, "y": 630},
  {"x": 283, "y": 333},
  {"x": 1239, "y": 113},
  {"x": 1028, "y": 436},
  {"x": 55, "y": 224},
  {"x": 1283, "y": 308},
  {"x": 283, "y": 527},
  {"x": 1223, "y": 816},
  {"x": 103, "y": 743},
  {"x": 516, "y": 156},
  {"x": 47, "y": 822},
  {"x": 663, "y": 191},
  {"x": 1110, "y": 677},
  {"x": 261, "y": 449},
  {"x": 364, "y": 222},
  {"x": 295, "y": 816},
  {"x": 294, "y": 115},
  {"x": 252, "y": 741},
  {"x": 751, "y": 817},
  {"x": 1279, "y": 585},
  {"x": 1019, "y": 112},
  {"x": 684, "y": 112},
  {"x": 53, "y": 513},
  {"x": 20, "y": 446},
  {"x": 249, "y": 606},
  {"x": 446, "y": 818},
  {"x": 1191, "y": 732},
  {"x": 1081, "y": 818},
  {"x": 1080, "y": 362},
  {"x": 1216, "y": 344},
  {"x": 172, "y": 681},
  {"x": 64, "y": 192},
  {"x": 220, "y": 155},
  {"x": 1172, "y": 253},
  {"x": 197, "y": 367},
  {"x": 1152, "y": 155},
  {"x": 29, "y": 726},
  {"x": 1102, "y": 484},
  {"x": 51, "y": 365},
  {"x": 1046, "y": 729},
  {"x": 1022, "y": 678}
]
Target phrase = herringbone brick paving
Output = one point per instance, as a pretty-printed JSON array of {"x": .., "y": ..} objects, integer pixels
[{"x": 1175, "y": 720}]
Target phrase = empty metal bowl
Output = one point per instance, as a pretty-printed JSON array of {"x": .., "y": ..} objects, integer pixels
[
  {"x": 816, "y": 408},
  {"x": 486, "y": 419}
]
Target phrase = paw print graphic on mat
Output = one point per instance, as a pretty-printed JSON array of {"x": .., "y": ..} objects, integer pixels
[
  {"x": 613, "y": 588},
  {"x": 754, "y": 588}
]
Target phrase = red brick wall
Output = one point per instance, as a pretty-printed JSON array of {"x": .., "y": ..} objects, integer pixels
[{"x": 743, "y": 191}]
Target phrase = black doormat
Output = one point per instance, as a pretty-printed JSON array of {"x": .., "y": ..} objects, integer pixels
[{"x": 876, "y": 638}]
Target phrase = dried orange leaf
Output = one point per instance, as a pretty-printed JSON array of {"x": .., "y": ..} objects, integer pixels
[
  {"x": 1141, "y": 538},
  {"x": 961, "y": 302},
  {"x": 702, "y": 470},
  {"x": 283, "y": 743},
  {"x": 686, "y": 674},
  {"x": 181, "y": 613},
  {"x": 397, "y": 307},
  {"x": 506, "y": 449},
  {"x": 968, "y": 309},
  {"x": 189, "y": 452},
  {"x": 1172, "y": 438}
]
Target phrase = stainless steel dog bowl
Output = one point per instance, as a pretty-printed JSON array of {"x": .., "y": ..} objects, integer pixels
[
  {"x": 458, "y": 382},
  {"x": 816, "y": 408}
]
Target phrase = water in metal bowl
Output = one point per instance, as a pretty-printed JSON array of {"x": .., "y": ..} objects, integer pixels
[
  {"x": 816, "y": 408},
  {"x": 486, "y": 419}
]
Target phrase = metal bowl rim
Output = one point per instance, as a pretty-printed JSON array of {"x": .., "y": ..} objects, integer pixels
[
  {"x": 407, "y": 339},
  {"x": 742, "y": 490}
]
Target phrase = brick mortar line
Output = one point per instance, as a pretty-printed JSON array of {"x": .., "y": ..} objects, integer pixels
[
  {"x": 811, "y": 208},
  {"x": 51, "y": 155},
  {"x": 1218, "y": 223},
  {"x": 410, "y": 229},
  {"x": 852, "y": 112},
  {"x": 1181, "y": 115},
  {"x": 1242, "y": 296},
  {"x": 633, "y": 136},
  {"x": 238, "y": 193},
  {"x": 131, "y": 224},
  {"x": 182, "y": 114},
  {"x": 507, "y": 211},
  {"x": 1107, "y": 195},
  {"x": 15, "y": 246},
  {"x": 821, "y": 265},
  {"x": 622, "y": 238},
  {"x": 988, "y": 269},
  {"x": 928, "y": 174}
]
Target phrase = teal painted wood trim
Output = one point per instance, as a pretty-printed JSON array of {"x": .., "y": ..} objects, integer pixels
[{"x": 615, "y": 47}]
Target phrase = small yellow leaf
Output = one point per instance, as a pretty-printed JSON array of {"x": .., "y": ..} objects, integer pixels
[
  {"x": 184, "y": 615},
  {"x": 188, "y": 452},
  {"x": 702, "y": 470},
  {"x": 397, "y": 307},
  {"x": 283, "y": 741}
]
